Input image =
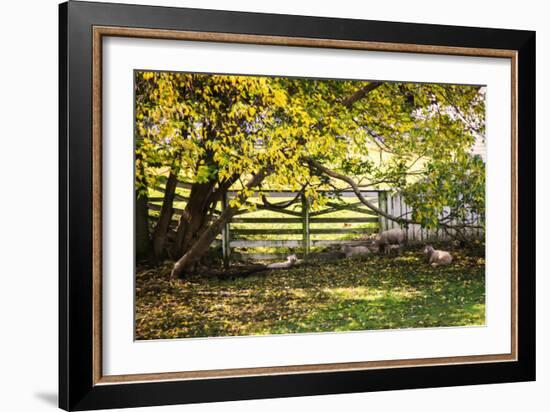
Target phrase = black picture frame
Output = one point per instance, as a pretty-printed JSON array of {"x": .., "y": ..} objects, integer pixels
[{"x": 77, "y": 390}]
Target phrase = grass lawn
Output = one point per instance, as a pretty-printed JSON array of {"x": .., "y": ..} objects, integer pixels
[{"x": 375, "y": 292}]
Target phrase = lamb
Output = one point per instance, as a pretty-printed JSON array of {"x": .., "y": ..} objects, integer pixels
[
  {"x": 350, "y": 251},
  {"x": 389, "y": 237},
  {"x": 437, "y": 257},
  {"x": 290, "y": 261}
]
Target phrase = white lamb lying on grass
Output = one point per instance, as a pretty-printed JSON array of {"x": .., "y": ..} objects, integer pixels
[
  {"x": 350, "y": 251},
  {"x": 290, "y": 261},
  {"x": 437, "y": 257}
]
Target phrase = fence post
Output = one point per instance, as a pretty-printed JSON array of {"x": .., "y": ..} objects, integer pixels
[
  {"x": 382, "y": 205},
  {"x": 305, "y": 225},
  {"x": 226, "y": 236}
]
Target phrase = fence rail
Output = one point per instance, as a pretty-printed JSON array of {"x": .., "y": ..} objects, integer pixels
[{"x": 234, "y": 236}]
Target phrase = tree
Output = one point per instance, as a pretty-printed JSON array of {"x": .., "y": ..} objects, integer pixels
[{"x": 248, "y": 133}]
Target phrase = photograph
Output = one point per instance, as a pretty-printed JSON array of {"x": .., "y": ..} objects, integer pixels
[
  {"x": 270, "y": 205},
  {"x": 255, "y": 204}
]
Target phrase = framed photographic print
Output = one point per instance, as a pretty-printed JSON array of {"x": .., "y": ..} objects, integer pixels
[{"x": 256, "y": 205}]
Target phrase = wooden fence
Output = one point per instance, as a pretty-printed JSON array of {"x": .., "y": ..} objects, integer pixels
[
  {"x": 235, "y": 240},
  {"x": 394, "y": 204}
]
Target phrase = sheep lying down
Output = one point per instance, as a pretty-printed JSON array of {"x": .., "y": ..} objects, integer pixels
[
  {"x": 437, "y": 257},
  {"x": 290, "y": 261},
  {"x": 350, "y": 251}
]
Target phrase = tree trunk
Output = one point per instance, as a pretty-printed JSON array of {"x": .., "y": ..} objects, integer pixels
[
  {"x": 166, "y": 211},
  {"x": 194, "y": 217},
  {"x": 143, "y": 239},
  {"x": 200, "y": 246}
]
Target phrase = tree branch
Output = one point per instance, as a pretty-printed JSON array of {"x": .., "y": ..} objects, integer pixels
[
  {"x": 284, "y": 205},
  {"x": 356, "y": 189},
  {"x": 360, "y": 94}
]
